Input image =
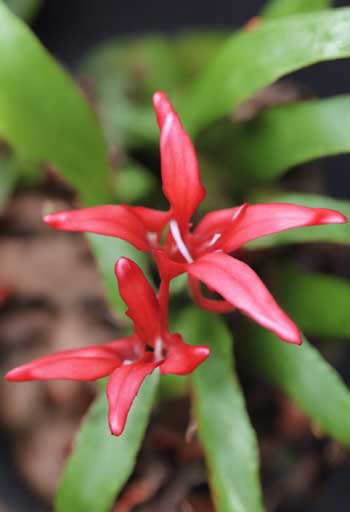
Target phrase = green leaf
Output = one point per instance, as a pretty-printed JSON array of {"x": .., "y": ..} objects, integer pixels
[
  {"x": 101, "y": 463},
  {"x": 9, "y": 175},
  {"x": 133, "y": 182},
  {"x": 107, "y": 250},
  {"x": 337, "y": 233},
  {"x": 318, "y": 303},
  {"x": 249, "y": 61},
  {"x": 285, "y": 136},
  {"x": 44, "y": 117},
  {"x": 277, "y": 8},
  {"x": 303, "y": 374},
  {"x": 125, "y": 73},
  {"x": 226, "y": 433},
  {"x": 26, "y": 9}
]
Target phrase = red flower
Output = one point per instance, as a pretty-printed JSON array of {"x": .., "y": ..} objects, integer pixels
[
  {"x": 129, "y": 360},
  {"x": 203, "y": 251}
]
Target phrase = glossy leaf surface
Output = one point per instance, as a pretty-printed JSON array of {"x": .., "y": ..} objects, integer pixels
[{"x": 251, "y": 60}]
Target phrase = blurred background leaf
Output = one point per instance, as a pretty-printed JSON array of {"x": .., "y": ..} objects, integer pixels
[
  {"x": 278, "y": 8},
  {"x": 249, "y": 61},
  {"x": 318, "y": 303},
  {"x": 281, "y": 137},
  {"x": 47, "y": 121},
  {"x": 26, "y": 9},
  {"x": 123, "y": 74},
  {"x": 304, "y": 375},
  {"x": 9, "y": 175}
]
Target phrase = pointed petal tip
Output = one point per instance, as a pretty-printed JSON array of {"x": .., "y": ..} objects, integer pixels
[
  {"x": 159, "y": 97},
  {"x": 122, "y": 267},
  {"x": 162, "y": 107},
  {"x": 340, "y": 218},
  {"x": 55, "y": 220},
  {"x": 293, "y": 336},
  {"x": 332, "y": 217},
  {"x": 202, "y": 352},
  {"x": 116, "y": 428},
  {"x": 16, "y": 375}
]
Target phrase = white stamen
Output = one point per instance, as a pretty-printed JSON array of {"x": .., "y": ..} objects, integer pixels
[
  {"x": 158, "y": 349},
  {"x": 152, "y": 237},
  {"x": 126, "y": 362},
  {"x": 214, "y": 239},
  {"x": 174, "y": 228}
]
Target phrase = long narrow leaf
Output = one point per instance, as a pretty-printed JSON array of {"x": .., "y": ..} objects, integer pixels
[
  {"x": 26, "y": 9},
  {"x": 224, "y": 428},
  {"x": 285, "y": 136},
  {"x": 302, "y": 373},
  {"x": 101, "y": 463},
  {"x": 319, "y": 303},
  {"x": 249, "y": 61},
  {"x": 43, "y": 115},
  {"x": 278, "y": 8}
]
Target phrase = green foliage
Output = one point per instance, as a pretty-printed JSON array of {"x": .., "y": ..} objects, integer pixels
[
  {"x": 26, "y": 9},
  {"x": 125, "y": 73},
  {"x": 336, "y": 233},
  {"x": 278, "y": 8},
  {"x": 249, "y": 61},
  {"x": 304, "y": 375},
  {"x": 44, "y": 117},
  {"x": 318, "y": 303},
  {"x": 9, "y": 174},
  {"x": 101, "y": 463},
  {"x": 226, "y": 433},
  {"x": 106, "y": 251},
  {"x": 288, "y": 135},
  {"x": 133, "y": 182}
]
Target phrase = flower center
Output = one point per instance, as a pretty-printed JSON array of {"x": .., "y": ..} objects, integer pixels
[{"x": 180, "y": 244}]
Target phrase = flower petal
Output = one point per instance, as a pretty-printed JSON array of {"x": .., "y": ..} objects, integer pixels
[
  {"x": 85, "y": 364},
  {"x": 241, "y": 286},
  {"x": 153, "y": 220},
  {"x": 143, "y": 306},
  {"x": 213, "y": 305},
  {"x": 162, "y": 106},
  {"x": 265, "y": 219},
  {"x": 182, "y": 358},
  {"x": 180, "y": 172},
  {"x": 213, "y": 223},
  {"x": 168, "y": 269},
  {"x": 111, "y": 220},
  {"x": 129, "y": 348},
  {"x": 122, "y": 388}
]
